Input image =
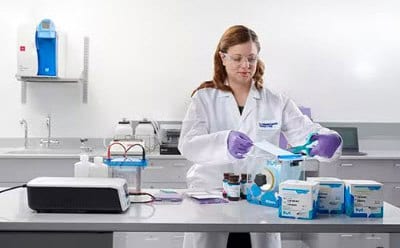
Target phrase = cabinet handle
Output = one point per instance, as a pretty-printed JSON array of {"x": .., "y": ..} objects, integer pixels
[
  {"x": 396, "y": 187},
  {"x": 178, "y": 164},
  {"x": 346, "y": 165},
  {"x": 151, "y": 239},
  {"x": 346, "y": 235},
  {"x": 373, "y": 238},
  {"x": 397, "y": 165},
  {"x": 154, "y": 167}
]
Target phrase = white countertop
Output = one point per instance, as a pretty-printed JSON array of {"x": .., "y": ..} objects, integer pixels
[
  {"x": 187, "y": 216},
  {"x": 17, "y": 153},
  {"x": 60, "y": 153}
]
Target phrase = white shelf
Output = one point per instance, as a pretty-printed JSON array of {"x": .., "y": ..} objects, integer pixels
[
  {"x": 45, "y": 79},
  {"x": 41, "y": 79}
]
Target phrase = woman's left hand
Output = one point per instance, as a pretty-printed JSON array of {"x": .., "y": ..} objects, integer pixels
[{"x": 327, "y": 144}]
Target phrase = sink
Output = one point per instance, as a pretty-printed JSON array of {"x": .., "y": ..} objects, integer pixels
[{"x": 44, "y": 151}]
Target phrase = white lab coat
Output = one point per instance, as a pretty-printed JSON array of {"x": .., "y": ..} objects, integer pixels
[{"x": 212, "y": 114}]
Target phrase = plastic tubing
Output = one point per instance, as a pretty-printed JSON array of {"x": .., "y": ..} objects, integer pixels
[
  {"x": 109, "y": 149},
  {"x": 143, "y": 151}
]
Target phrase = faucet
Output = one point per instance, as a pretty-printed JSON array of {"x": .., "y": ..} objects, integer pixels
[
  {"x": 25, "y": 126},
  {"x": 49, "y": 140},
  {"x": 85, "y": 148}
]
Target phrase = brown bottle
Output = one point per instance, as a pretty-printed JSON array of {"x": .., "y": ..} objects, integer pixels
[
  {"x": 233, "y": 188},
  {"x": 225, "y": 183},
  {"x": 243, "y": 186}
]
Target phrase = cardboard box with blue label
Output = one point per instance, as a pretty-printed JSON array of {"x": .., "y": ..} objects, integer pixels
[
  {"x": 364, "y": 198},
  {"x": 330, "y": 196},
  {"x": 298, "y": 199}
]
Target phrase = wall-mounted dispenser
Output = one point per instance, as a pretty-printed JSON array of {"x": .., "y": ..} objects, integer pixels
[
  {"x": 41, "y": 52},
  {"x": 46, "y": 47},
  {"x": 42, "y": 57}
]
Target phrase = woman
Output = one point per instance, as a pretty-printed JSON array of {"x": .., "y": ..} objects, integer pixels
[{"x": 229, "y": 113}]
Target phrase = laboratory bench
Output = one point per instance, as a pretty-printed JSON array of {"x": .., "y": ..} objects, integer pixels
[
  {"x": 169, "y": 171},
  {"x": 20, "y": 226},
  {"x": 18, "y": 166}
]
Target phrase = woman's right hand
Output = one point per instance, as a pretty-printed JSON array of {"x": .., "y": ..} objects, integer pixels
[{"x": 239, "y": 144}]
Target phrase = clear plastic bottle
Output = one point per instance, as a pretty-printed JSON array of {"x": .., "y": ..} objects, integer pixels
[
  {"x": 98, "y": 168},
  {"x": 81, "y": 168}
]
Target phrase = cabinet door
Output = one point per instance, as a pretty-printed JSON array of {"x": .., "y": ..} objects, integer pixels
[
  {"x": 148, "y": 240},
  {"x": 350, "y": 240},
  {"x": 391, "y": 193},
  {"x": 166, "y": 170},
  {"x": 327, "y": 240},
  {"x": 21, "y": 170},
  {"x": 347, "y": 240},
  {"x": 379, "y": 170},
  {"x": 328, "y": 169},
  {"x": 376, "y": 240}
]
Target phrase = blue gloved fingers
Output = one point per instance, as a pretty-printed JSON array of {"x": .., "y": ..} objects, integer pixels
[
  {"x": 243, "y": 151},
  {"x": 327, "y": 145},
  {"x": 314, "y": 137},
  {"x": 314, "y": 151},
  {"x": 245, "y": 139},
  {"x": 244, "y": 145},
  {"x": 239, "y": 156},
  {"x": 242, "y": 148},
  {"x": 239, "y": 144}
]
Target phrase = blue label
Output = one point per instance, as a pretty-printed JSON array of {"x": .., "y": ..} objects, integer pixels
[
  {"x": 267, "y": 124},
  {"x": 332, "y": 185}
]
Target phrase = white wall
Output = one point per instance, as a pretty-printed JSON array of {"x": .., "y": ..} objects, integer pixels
[{"x": 339, "y": 57}]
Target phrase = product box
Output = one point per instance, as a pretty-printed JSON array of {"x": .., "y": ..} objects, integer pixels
[
  {"x": 298, "y": 199},
  {"x": 330, "y": 196},
  {"x": 266, "y": 174},
  {"x": 363, "y": 198}
]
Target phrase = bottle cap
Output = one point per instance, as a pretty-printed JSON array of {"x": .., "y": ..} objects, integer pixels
[
  {"x": 227, "y": 174},
  {"x": 234, "y": 178},
  {"x": 84, "y": 157}
]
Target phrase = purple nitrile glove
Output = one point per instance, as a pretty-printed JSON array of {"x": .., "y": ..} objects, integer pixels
[
  {"x": 239, "y": 144},
  {"x": 327, "y": 144}
]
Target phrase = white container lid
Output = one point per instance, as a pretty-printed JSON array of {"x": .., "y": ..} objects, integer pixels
[
  {"x": 331, "y": 180},
  {"x": 362, "y": 182}
]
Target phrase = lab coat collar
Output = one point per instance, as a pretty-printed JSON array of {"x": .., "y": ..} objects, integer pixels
[
  {"x": 254, "y": 93},
  {"x": 251, "y": 102},
  {"x": 222, "y": 93}
]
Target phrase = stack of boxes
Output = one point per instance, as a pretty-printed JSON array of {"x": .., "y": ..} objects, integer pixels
[{"x": 325, "y": 195}]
